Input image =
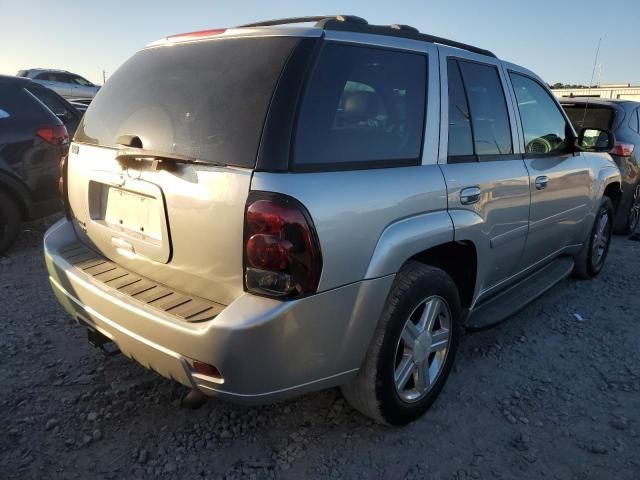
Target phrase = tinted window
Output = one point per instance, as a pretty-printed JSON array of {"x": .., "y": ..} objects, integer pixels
[
  {"x": 489, "y": 117},
  {"x": 50, "y": 99},
  {"x": 460, "y": 138},
  {"x": 543, "y": 124},
  {"x": 206, "y": 100},
  {"x": 79, "y": 81},
  {"x": 19, "y": 106},
  {"x": 583, "y": 115},
  {"x": 635, "y": 120},
  {"x": 362, "y": 106}
]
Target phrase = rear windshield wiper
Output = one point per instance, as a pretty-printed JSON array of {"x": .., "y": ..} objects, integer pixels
[{"x": 137, "y": 153}]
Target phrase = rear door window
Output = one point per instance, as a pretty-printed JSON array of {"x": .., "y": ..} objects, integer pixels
[
  {"x": 479, "y": 127},
  {"x": 460, "y": 136},
  {"x": 206, "y": 100},
  {"x": 362, "y": 107}
]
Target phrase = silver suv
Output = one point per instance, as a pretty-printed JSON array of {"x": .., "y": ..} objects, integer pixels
[
  {"x": 65, "y": 84},
  {"x": 268, "y": 210}
]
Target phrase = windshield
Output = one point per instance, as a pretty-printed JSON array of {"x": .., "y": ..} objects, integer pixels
[
  {"x": 595, "y": 116},
  {"x": 205, "y": 100}
]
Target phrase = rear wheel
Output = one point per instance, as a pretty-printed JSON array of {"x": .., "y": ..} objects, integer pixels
[
  {"x": 591, "y": 259},
  {"x": 10, "y": 221},
  {"x": 413, "y": 348},
  {"x": 634, "y": 211}
]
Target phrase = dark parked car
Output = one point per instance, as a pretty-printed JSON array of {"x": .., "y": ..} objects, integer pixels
[
  {"x": 33, "y": 142},
  {"x": 622, "y": 117}
]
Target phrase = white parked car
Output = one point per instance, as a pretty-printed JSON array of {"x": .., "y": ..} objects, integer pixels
[{"x": 66, "y": 84}]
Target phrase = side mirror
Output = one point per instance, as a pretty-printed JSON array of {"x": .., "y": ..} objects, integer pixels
[{"x": 595, "y": 140}]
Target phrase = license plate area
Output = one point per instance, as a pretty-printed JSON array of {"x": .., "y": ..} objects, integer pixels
[
  {"x": 129, "y": 219},
  {"x": 136, "y": 215}
]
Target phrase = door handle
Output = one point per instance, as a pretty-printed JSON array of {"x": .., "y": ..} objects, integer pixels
[
  {"x": 541, "y": 182},
  {"x": 470, "y": 195}
]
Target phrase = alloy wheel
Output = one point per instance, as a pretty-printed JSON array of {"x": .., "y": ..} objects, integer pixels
[
  {"x": 601, "y": 238},
  {"x": 422, "y": 348},
  {"x": 634, "y": 213}
]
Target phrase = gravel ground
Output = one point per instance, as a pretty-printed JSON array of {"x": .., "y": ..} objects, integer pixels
[{"x": 547, "y": 394}]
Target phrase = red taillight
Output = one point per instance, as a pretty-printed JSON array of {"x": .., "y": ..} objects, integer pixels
[
  {"x": 199, "y": 34},
  {"x": 56, "y": 135},
  {"x": 282, "y": 253},
  {"x": 622, "y": 149}
]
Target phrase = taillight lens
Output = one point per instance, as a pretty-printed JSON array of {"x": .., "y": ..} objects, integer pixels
[
  {"x": 622, "y": 149},
  {"x": 282, "y": 254},
  {"x": 56, "y": 135}
]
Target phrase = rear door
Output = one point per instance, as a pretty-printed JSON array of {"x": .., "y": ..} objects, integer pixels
[
  {"x": 559, "y": 177},
  {"x": 487, "y": 182},
  {"x": 199, "y": 108}
]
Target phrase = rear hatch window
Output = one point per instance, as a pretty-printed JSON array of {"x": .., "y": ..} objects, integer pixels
[
  {"x": 207, "y": 100},
  {"x": 590, "y": 116}
]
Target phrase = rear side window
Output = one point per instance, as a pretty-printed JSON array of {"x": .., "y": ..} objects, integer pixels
[
  {"x": 362, "y": 107},
  {"x": 543, "y": 124},
  {"x": 478, "y": 116},
  {"x": 50, "y": 99},
  {"x": 583, "y": 115},
  {"x": 17, "y": 105},
  {"x": 207, "y": 100}
]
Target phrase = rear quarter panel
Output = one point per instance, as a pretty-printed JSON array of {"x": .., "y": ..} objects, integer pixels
[{"x": 369, "y": 222}]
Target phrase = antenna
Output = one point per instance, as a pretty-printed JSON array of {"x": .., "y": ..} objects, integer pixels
[{"x": 593, "y": 72}]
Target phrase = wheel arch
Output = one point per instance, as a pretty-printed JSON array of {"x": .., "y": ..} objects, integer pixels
[
  {"x": 459, "y": 260},
  {"x": 429, "y": 239}
]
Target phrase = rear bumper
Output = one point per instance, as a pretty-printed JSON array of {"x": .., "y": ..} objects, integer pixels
[{"x": 265, "y": 349}]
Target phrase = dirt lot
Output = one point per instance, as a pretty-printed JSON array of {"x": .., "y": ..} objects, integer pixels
[{"x": 543, "y": 395}]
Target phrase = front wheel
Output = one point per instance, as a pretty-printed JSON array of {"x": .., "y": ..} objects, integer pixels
[
  {"x": 592, "y": 256},
  {"x": 412, "y": 350}
]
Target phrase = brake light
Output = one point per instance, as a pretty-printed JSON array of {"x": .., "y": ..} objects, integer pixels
[
  {"x": 282, "y": 254},
  {"x": 622, "y": 149},
  {"x": 56, "y": 135},
  {"x": 198, "y": 34}
]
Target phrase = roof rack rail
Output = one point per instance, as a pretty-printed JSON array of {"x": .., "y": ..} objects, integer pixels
[
  {"x": 352, "y": 23},
  {"x": 319, "y": 19}
]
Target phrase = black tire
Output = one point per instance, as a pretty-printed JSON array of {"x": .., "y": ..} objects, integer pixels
[
  {"x": 587, "y": 265},
  {"x": 10, "y": 220},
  {"x": 633, "y": 214},
  {"x": 373, "y": 391}
]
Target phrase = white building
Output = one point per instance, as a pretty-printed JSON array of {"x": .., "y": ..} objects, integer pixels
[{"x": 614, "y": 90}]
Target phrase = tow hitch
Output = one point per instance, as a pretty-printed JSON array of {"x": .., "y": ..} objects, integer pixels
[{"x": 98, "y": 340}]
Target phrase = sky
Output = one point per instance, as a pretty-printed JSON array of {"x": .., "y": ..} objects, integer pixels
[{"x": 556, "y": 39}]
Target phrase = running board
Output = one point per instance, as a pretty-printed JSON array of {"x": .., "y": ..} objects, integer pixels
[{"x": 519, "y": 295}]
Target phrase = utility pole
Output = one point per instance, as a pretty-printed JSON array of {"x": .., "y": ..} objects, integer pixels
[{"x": 104, "y": 76}]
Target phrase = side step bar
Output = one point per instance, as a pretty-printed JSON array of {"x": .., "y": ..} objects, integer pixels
[{"x": 519, "y": 295}]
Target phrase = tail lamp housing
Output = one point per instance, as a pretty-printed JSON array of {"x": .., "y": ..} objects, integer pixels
[
  {"x": 622, "y": 149},
  {"x": 56, "y": 135},
  {"x": 282, "y": 257}
]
